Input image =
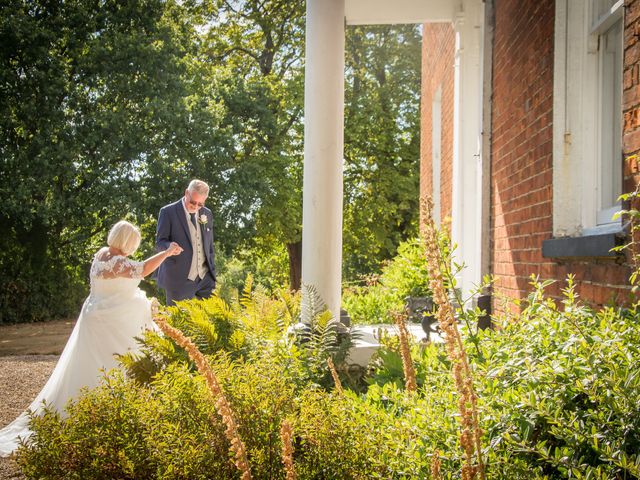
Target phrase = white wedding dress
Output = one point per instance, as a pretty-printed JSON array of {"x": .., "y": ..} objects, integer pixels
[{"x": 115, "y": 312}]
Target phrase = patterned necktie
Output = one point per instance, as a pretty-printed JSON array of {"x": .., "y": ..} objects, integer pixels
[{"x": 193, "y": 219}]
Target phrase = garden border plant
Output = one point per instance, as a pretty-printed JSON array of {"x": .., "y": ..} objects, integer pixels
[
  {"x": 558, "y": 392},
  {"x": 438, "y": 265}
]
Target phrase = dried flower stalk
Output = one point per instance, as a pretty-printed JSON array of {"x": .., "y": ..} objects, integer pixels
[
  {"x": 470, "y": 436},
  {"x": 405, "y": 352},
  {"x": 435, "y": 466},
  {"x": 334, "y": 374},
  {"x": 222, "y": 405},
  {"x": 286, "y": 435}
]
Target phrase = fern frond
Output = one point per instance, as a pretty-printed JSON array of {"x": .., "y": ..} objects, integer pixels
[
  {"x": 246, "y": 299},
  {"x": 288, "y": 309},
  {"x": 140, "y": 367},
  {"x": 218, "y": 307},
  {"x": 203, "y": 331},
  {"x": 312, "y": 304},
  {"x": 163, "y": 346},
  {"x": 128, "y": 360}
]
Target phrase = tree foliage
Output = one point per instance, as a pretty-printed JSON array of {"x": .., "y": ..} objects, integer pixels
[
  {"x": 261, "y": 45},
  {"x": 382, "y": 143},
  {"x": 98, "y": 112},
  {"x": 108, "y": 108}
]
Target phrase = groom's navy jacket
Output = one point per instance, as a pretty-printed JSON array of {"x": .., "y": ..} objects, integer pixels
[{"x": 172, "y": 227}]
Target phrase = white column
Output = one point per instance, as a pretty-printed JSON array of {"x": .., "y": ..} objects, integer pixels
[
  {"x": 323, "y": 150},
  {"x": 466, "y": 228}
]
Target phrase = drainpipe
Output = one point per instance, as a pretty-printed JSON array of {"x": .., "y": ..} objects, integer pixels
[{"x": 487, "y": 105}]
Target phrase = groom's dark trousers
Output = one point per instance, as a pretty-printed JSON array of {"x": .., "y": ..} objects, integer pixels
[{"x": 174, "y": 271}]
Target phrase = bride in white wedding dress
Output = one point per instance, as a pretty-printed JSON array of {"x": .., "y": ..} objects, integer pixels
[{"x": 115, "y": 312}]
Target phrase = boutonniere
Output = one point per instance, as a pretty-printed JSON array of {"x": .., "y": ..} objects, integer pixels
[{"x": 203, "y": 219}]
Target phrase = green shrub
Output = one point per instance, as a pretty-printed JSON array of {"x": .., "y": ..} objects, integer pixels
[
  {"x": 38, "y": 289},
  {"x": 230, "y": 278},
  {"x": 406, "y": 275},
  {"x": 370, "y": 305},
  {"x": 269, "y": 269},
  {"x": 126, "y": 431},
  {"x": 251, "y": 325},
  {"x": 169, "y": 430},
  {"x": 561, "y": 389},
  {"x": 385, "y": 366},
  {"x": 559, "y": 396}
]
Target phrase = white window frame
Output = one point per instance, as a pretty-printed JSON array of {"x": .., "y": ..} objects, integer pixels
[
  {"x": 577, "y": 116},
  {"x": 608, "y": 112}
]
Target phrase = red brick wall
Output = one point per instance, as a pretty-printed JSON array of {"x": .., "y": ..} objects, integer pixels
[
  {"x": 631, "y": 94},
  {"x": 438, "y": 44},
  {"x": 522, "y": 196},
  {"x": 521, "y": 162},
  {"x": 631, "y": 103}
]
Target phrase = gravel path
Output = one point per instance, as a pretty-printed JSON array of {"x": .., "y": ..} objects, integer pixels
[{"x": 21, "y": 378}]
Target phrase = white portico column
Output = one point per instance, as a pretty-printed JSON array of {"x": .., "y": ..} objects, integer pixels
[
  {"x": 466, "y": 228},
  {"x": 323, "y": 150}
]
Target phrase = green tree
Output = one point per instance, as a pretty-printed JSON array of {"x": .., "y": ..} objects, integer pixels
[
  {"x": 99, "y": 116},
  {"x": 107, "y": 108},
  {"x": 260, "y": 43},
  {"x": 382, "y": 143}
]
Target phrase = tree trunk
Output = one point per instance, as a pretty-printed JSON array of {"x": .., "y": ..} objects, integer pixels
[{"x": 295, "y": 264}]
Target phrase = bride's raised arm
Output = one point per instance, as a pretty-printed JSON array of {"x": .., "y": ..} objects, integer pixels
[
  {"x": 153, "y": 262},
  {"x": 123, "y": 240},
  {"x": 120, "y": 266}
]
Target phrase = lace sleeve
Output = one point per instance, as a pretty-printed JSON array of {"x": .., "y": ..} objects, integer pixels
[
  {"x": 116, "y": 267},
  {"x": 127, "y": 268}
]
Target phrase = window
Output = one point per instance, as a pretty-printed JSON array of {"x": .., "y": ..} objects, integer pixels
[
  {"x": 587, "y": 117},
  {"x": 606, "y": 27}
]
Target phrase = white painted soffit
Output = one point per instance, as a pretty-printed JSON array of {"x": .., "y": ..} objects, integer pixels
[{"x": 376, "y": 12}]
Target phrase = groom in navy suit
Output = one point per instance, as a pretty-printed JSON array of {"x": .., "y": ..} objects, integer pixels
[{"x": 190, "y": 224}]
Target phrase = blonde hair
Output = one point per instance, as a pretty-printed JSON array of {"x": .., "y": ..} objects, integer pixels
[
  {"x": 125, "y": 237},
  {"x": 199, "y": 187}
]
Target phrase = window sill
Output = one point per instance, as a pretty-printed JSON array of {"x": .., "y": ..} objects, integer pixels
[{"x": 596, "y": 245}]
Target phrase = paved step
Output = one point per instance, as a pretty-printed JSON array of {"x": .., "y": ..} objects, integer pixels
[{"x": 368, "y": 342}]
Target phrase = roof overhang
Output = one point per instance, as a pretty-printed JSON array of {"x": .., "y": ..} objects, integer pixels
[{"x": 375, "y": 12}]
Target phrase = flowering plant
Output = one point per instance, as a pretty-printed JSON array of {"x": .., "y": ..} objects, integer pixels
[
  {"x": 203, "y": 219},
  {"x": 155, "y": 305}
]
